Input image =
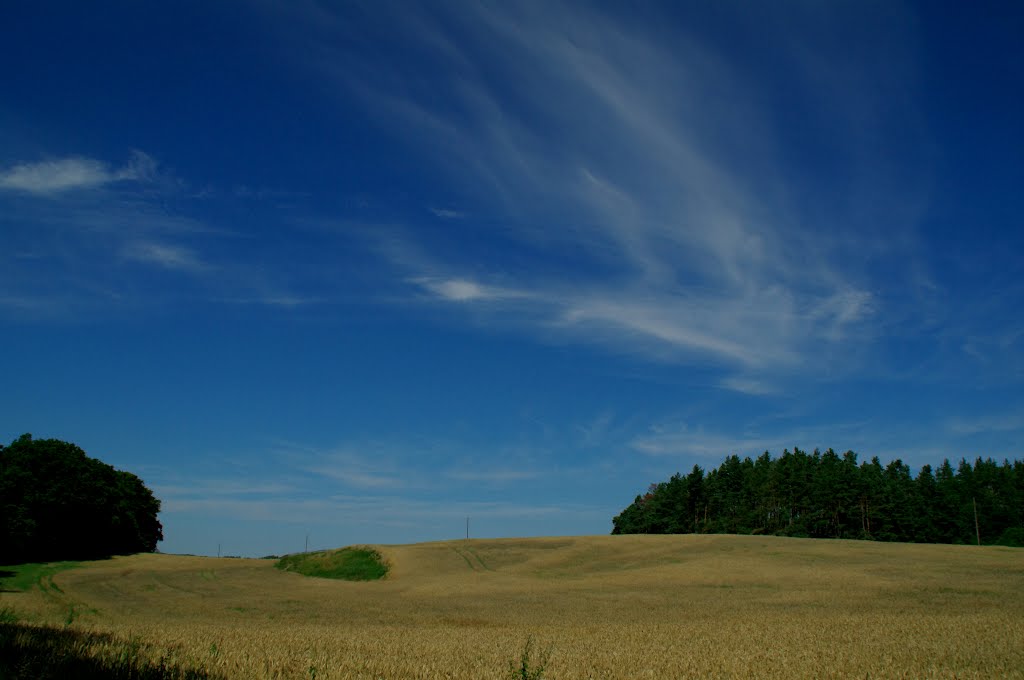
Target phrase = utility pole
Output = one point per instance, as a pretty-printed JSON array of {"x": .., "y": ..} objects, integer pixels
[
  {"x": 306, "y": 549},
  {"x": 218, "y": 550},
  {"x": 467, "y": 528}
]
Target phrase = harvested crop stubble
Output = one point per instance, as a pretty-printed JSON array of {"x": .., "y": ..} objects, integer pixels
[{"x": 608, "y": 607}]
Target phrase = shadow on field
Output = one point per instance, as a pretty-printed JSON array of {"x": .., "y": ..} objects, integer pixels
[
  {"x": 55, "y": 653},
  {"x": 6, "y": 574}
]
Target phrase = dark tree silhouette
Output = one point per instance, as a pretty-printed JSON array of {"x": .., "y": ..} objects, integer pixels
[
  {"x": 57, "y": 503},
  {"x": 825, "y": 495}
]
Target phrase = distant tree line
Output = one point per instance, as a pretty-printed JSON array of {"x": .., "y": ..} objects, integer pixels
[
  {"x": 827, "y": 495},
  {"x": 57, "y": 503}
]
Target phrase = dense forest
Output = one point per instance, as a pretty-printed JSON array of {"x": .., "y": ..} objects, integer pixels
[
  {"x": 827, "y": 495},
  {"x": 57, "y": 503}
]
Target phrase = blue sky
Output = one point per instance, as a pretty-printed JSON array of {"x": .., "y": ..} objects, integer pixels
[{"x": 361, "y": 270}]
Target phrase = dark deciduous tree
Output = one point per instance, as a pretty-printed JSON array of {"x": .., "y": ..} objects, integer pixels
[{"x": 56, "y": 503}]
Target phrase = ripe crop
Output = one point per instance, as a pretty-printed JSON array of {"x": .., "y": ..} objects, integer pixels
[{"x": 605, "y": 607}]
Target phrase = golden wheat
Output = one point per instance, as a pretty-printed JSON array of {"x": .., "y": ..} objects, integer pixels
[{"x": 607, "y": 607}]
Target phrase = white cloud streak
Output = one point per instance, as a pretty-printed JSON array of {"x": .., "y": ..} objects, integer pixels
[
  {"x": 447, "y": 214},
  {"x": 494, "y": 475},
  {"x": 683, "y": 441},
  {"x": 437, "y": 466},
  {"x": 644, "y": 175},
  {"x": 375, "y": 491},
  {"x": 168, "y": 256},
  {"x": 655, "y": 323},
  {"x": 352, "y": 467},
  {"x": 1005, "y": 422},
  {"x": 74, "y": 213},
  {"x": 373, "y": 510},
  {"x": 47, "y": 178},
  {"x": 465, "y": 290},
  {"x": 707, "y": 446},
  {"x": 748, "y": 386}
]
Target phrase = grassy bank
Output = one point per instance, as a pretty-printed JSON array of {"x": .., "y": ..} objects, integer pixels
[
  {"x": 347, "y": 564},
  {"x": 23, "y": 577}
]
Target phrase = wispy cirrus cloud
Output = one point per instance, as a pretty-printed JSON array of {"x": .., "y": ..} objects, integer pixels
[
  {"x": 491, "y": 475},
  {"x": 439, "y": 466},
  {"x": 355, "y": 477},
  {"x": 646, "y": 180},
  {"x": 375, "y": 487},
  {"x": 655, "y": 323},
  {"x": 168, "y": 256},
  {"x": 220, "y": 487},
  {"x": 749, "y": 386},
  {"x": 448, "y": 213},
  {"x": 27, "y": 304},
  {"x": 998, "y": 422},
  {"x": 69, "y": 227},
  {"x": 682, "y": 440},
  {"x": 274, "y": 299},
  {"x": 676, "y": 439},
  {"x": 366, "y": 467},
  {"x": 465, "y": 290},
  {"x": 52, "y": 177},
  {"x": 381, "y": 510}
]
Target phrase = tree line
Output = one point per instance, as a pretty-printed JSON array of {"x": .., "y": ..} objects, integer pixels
[
  {"x": 827, "y": 495},
  {"x": 57, "y": 503}
]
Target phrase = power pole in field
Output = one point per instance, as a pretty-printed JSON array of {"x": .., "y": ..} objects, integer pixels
[{"x": 467, "y": 528}]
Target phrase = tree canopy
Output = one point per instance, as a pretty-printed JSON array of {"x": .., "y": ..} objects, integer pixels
[
  {"x": 827, "y": 495},
  {"x": 57, "y": 503}
]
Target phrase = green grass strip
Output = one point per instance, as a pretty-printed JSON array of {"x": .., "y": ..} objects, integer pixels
[
  {"x": 347, "y": 564},
  {"x": 24, "y": 577}
]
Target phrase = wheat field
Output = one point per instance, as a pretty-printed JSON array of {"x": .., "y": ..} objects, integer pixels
[{"x": 604, "y": 606}]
